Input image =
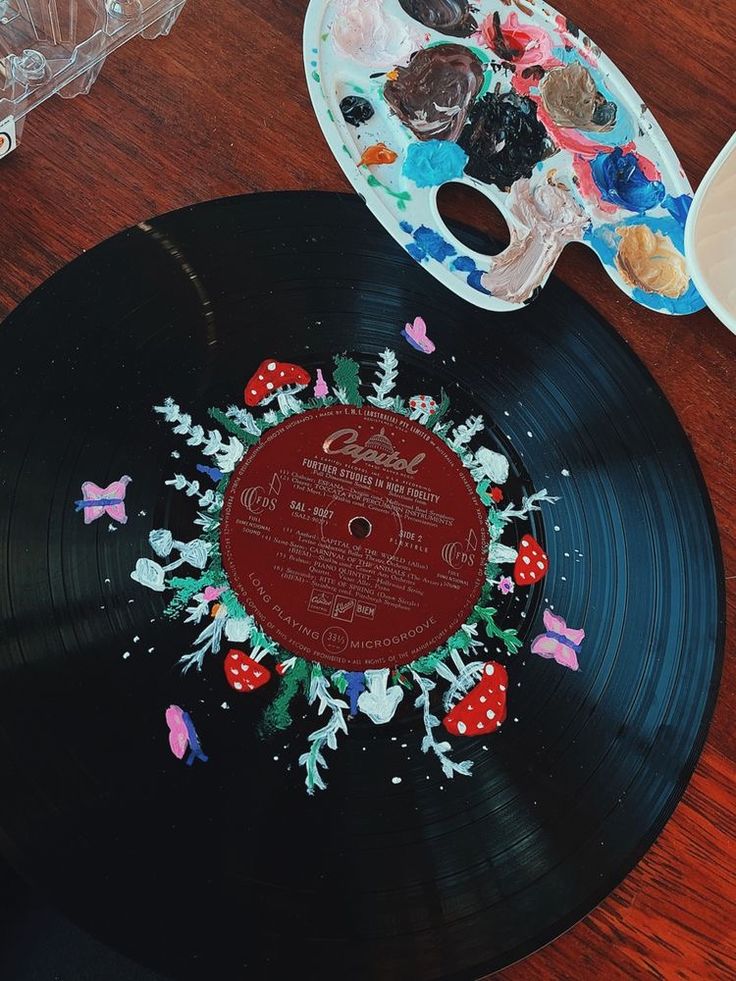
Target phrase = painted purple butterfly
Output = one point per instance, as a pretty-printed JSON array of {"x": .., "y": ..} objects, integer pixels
[
  {"x": 416, "y": 335},
  {"x": 97, "y": 501},
  {"x": 559, "y": 641}
]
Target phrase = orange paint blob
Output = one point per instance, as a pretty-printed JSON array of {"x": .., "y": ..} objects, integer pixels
[
  {"x": 215, "y": 608},
  {"x": 379, "y": 153},
  {"x": 393, "y": 74}
]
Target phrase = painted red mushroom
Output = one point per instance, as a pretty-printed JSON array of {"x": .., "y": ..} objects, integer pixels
[
  {"x": 243, "y": 673},
  {"x": 272, "y": 377},
  {"x": 422, "y": 407},
  {"x": 483, "y": 709},
  {"x": 531, "y": 563}
]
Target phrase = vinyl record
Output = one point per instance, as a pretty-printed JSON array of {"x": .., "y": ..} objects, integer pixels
[{"x": 348, "y": 630}]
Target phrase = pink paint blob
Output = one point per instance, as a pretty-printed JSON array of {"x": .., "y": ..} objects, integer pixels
[
  {"x": 534, "y": 44},
  {"x": 213, "y": 592}
]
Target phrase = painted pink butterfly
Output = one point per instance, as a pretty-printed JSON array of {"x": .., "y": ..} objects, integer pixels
[
  {"x": 109, "y": 500},
  {"x": 559, "y": 641},
  {"x": 416, "y": 335}
]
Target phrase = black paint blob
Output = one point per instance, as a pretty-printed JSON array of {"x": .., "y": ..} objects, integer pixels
[
  {"x": 452, "y": 17},
  {"x": 356, "y": 110},
  {"x": 504, "y": 140}
]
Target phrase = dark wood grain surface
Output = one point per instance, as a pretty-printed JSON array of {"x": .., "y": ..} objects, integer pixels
[{"x": 220, "y": 107}]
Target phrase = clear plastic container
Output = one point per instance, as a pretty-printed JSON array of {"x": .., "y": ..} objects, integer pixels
[{"x": 49, "y": 46}]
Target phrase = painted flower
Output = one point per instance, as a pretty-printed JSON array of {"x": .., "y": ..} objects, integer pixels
[
  {"x": 506, "y": 585},
  {"x": 434, "y": 162},
  {"x": 522, "y": 44},
  {"x": 627, "y": 180},
  {"x": 496, "y": 495}
]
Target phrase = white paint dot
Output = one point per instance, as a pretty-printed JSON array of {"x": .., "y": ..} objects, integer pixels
[
  {"x": 557, "y": 527},
  {"x": 529, "y": 434},
  {"x": 461, "y": 727},
  {"x": 491, "y": 714},
  {"x": 276, "y": 757},
  {"x": 136, "y": 639},
  {"x": 237, "y": 686},
  {"x": 271, "y": 366},
  {"x": 395, "y": 779},
  {"x": 269, "y": 385},
  {"x": 565, "y": 473},
  {"x": 126, "y": 655}
]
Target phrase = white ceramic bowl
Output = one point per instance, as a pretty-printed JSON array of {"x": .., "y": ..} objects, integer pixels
[{"x": 710, "y": 236}]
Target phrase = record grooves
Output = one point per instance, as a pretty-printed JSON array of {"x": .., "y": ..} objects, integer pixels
[{"x": 229, "y": 866}]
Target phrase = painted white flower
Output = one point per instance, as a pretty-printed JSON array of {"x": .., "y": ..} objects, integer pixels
[{"x": 149, "y": 573}]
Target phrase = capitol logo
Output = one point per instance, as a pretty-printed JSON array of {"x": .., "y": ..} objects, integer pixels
[{"x": 377, "y": 449}]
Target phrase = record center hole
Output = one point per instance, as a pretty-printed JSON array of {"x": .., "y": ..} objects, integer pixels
[{"x": 360, "y": 527}]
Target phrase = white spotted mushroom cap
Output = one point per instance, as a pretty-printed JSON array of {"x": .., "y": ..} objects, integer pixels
[{"x": 423, "y": 403}]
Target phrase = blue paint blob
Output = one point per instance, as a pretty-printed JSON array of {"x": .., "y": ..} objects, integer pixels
[
  {"x": 434, "y": 162},
  {"x": 464, "y": 263},
  {"x": 622, "y": 182},
  {"x": 356, "y": 685},
  {"x": 415, "y": 252},
  {"x": 406, "y": 227},
  {"x": 678, "y": 207},
  {"x": 432, "y": 245}
]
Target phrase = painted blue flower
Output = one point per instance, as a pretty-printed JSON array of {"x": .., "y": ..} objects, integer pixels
[
  {"x": 621, "y": 181},
  {"x": 434, "y": 162}
]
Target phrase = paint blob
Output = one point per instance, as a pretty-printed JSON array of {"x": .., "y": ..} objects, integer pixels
[
  {"x": 648, "y": 260},
  {"x": 377, "y": 154},
  {"x": 622, "y": 180},
  {"x": 521, "y": 44},
  {"x": 570, "y": 96},
  {"x": 356, "y": 110},
  {"x": 548, "y": 217},
  {"x": 452, "y": 17},
  {"x": 364, "y": 31},
  {"x": 434, "y": 162},
  {"x": 504, "y": 139},
  {"x": 432, "y": 95}
]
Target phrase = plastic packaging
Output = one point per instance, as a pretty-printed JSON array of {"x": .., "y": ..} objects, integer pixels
[{"x": 49, "y": 46}]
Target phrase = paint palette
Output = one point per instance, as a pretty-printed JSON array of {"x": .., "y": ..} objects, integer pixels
[{"x": 518, "y": 104}]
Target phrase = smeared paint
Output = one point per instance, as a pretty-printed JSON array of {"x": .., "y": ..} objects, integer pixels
[
  {"x": 364, "y": 31},
  {"x": 678, "y": 207},
  {"x": 648, "y": 260},
  {"x": 568, "y": 139},
  {"x": 109, "y": 500},
  {"x": 504, "y": 139},
  {"x": 401, "y": 197},
  {"x": 376, "y": 155},
  {"x": 432, "y": 95},
  {"x": 434, "y": 162},
  {"x": 523, "y": 45},
  {"x": 549, "y": 218},
  {"x": 560, "y": 642},
  {"x": 483, "y": 709},
  {"x": 570, "y": 96},
  {"x": 622, "y": 181},
  {"x": 451, "y": 17},
  {"x": 356, "y": 110},
  {"x": 415, "y": 334},
  {"x": 182, "y": 734}
]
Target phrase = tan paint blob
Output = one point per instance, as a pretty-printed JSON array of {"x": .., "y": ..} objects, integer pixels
[
  {"x": 570, "y": 96},
  {"x": 650, "y": 261}
]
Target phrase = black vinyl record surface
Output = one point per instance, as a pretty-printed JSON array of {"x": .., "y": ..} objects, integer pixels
[{"x": 229, "y": 868}]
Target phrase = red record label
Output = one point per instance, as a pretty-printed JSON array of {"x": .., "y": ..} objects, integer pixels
[{"x": 355, "y": 537}]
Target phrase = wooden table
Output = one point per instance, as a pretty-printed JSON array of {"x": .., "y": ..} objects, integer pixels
[{"x": 220, "y": 107}]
